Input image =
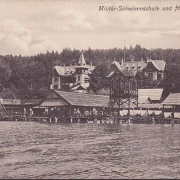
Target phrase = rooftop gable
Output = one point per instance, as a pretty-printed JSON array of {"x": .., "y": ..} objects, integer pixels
[
  {"x": 122, "y": 69},
  {"x": 82, "y": 61},
  {"x": 52, "y": 103},
  {"x": 172, "y": 99},
  {"x": 143, "y": 100},
  {"x": 59, "y": 70},
  {"x": 153, "y": 94},
  {"x": 158, "y": 64},
  {"x": 83, "y": 86}
]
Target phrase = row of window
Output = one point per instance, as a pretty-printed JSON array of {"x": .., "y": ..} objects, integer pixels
[{"x": 150, "y": 75}]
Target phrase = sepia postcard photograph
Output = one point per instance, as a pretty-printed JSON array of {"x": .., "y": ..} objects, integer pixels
[{"x": 89, "y": 89}]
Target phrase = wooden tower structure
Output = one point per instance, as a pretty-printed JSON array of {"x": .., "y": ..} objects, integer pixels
[{"x": 123, "y": 87}]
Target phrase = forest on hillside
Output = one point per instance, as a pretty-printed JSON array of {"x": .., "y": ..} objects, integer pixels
[{"x": 30, "y": 76}]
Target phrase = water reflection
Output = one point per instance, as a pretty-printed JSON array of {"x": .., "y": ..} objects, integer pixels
[{"x": 44, "y": 150}]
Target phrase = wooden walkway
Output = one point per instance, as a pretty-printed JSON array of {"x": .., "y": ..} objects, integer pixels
[{"x": 98, "y": 119}]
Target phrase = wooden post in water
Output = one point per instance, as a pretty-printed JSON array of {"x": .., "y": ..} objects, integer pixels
[
  {"x": 163, "y": 111},
  {"x": 56, "y": 119},
  {"x": 71, "y": 119},
  {"x": 129, "y": 103},
  {"x": 70, "y": 111}
]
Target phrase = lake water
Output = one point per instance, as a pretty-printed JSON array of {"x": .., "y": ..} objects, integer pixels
[{"x": 44, "y": 150}]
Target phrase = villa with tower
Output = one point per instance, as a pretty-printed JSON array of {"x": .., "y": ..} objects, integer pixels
[{"x": 74, "y": 77}]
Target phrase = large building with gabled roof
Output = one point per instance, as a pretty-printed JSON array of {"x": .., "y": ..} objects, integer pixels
[{"x": 154, "y": 69}]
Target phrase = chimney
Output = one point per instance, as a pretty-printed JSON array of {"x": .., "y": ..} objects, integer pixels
[
  {"x": 140, "y": 64},
  {"x": 133, "y": 65},
  {"x": 122, "y": 62},
  {"x": 51, "y": 86},
  {"x": 90, "y": 63},
  {"x": 127, "y": 65}
]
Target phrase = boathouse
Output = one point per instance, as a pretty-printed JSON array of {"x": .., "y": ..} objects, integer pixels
[
  {"x": 171, "y": 106},
  {"x": 151, "y": 95},
  {"x": 19, "y": 106},
  {"x": 66, "y": 104},
  {"x": 149, "y": 101}
]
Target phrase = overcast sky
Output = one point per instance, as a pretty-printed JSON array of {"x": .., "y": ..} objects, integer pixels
[{"x": 31, "y": 27}]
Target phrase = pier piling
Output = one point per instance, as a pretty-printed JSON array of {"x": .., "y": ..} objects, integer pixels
[
  {"x": 56, "y": 119},
  {"x": 71, "y": 119}
]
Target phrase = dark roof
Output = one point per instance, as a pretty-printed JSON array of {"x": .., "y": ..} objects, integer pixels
[
  {"x": 91, "y": 100},
  {"x": 87, "y": 100},
  {"x": 81, "y": 99},
  {"x": 137, "y": 64},
  {"x": 123, "y": 69},
  {"x": 172, "y": 99}
]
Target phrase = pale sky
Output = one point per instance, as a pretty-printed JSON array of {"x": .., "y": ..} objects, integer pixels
[{"x": 29, "y": 27}]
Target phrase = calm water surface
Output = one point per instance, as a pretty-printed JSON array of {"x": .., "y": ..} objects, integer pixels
[{"x": 42, "y": 150}]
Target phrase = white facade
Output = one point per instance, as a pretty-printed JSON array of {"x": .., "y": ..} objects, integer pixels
[{"x": 56, "y": 83}]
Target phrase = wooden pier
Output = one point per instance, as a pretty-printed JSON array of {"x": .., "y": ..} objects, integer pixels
[{"x": 94, "y": 119}]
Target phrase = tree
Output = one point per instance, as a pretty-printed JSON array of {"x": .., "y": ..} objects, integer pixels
[
  {"x": 144, "y": 82},
  {"x": 98, "y": 78},
  {"x": 171, "y": 82}
]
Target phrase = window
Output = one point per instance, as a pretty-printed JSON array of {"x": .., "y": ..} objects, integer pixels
[
  {"x": 150, "y": 75},
  {"x": 86, "y": 80},
  {"x": 79, "y": 77},
  {"x": 159, "y": 76},
  {"x": 56, "y": 79},
  {"x": 55, "y": 86}
]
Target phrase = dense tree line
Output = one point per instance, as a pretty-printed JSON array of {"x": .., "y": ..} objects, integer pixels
[{"x": 30, "y": 76}]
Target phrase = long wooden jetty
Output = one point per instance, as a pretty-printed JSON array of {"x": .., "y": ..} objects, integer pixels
[{"x": 95, "y": 119}]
